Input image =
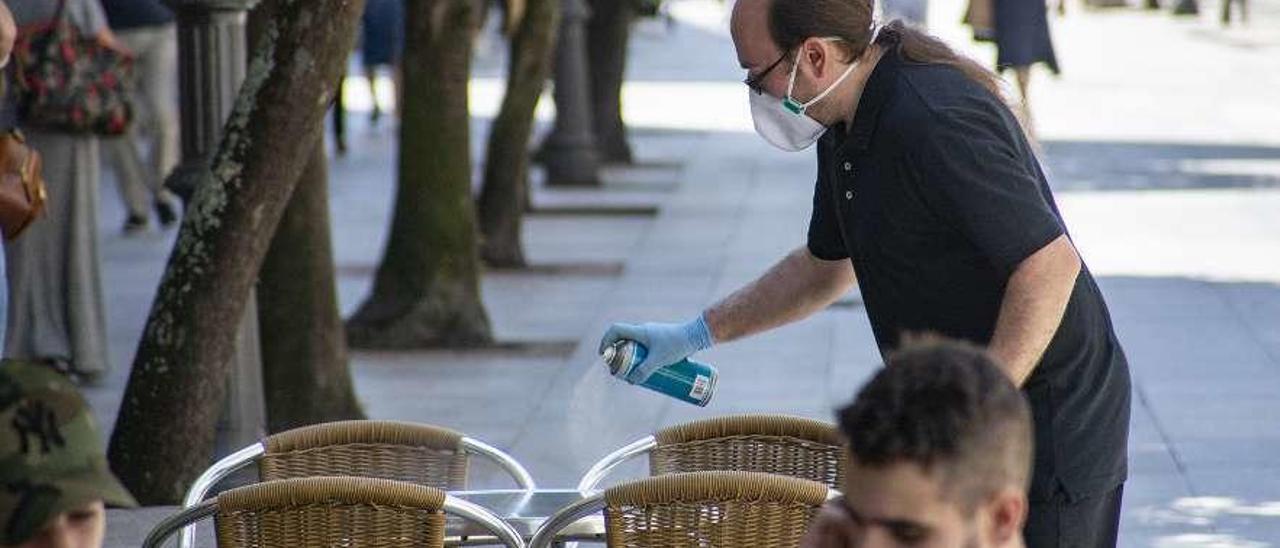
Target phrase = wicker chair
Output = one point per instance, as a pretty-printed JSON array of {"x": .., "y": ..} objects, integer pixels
[
  {"x": 328, "y": 511},
  {"x": 699, "y": 509},
  {"x": 776, "y": 444},
  {"x": 415, "y": 453}
]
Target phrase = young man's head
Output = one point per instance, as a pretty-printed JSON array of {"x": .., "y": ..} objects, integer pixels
[
  {"x": 54, "y": 480},
  {"x": 940, "y": 446}
]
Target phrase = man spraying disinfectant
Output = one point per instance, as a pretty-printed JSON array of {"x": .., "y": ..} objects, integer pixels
[{"x": 930, "y": 200}]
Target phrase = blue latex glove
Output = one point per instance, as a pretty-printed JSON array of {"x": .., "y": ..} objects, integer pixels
[{"x": 666, "y": 343}]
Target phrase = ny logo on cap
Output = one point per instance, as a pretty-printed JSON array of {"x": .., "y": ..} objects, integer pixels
[{"x": 35, "y": 419}]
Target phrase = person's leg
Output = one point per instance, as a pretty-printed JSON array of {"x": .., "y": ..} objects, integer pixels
[
  {"x": 1023, "y": 76},
  {"x": 162, "y": 95},
  {"x": 339, "y": 110},
  {"x": 371, "y": 75},
  {"x": 1091, "y": 522},
  {"x": 157, "y": 66},
  {"x": 397, "y": 80},
  {"x": 126, "y": 163},
  {"x": 124, "y": 154}
]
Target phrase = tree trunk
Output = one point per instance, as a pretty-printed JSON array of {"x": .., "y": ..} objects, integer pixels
[
  {"x": 427, "y": 289},
  {"x": 305, "y": 373},
  {"x": 608, "y": 33},
  {"x": 504, "y": 194},
  {"x": 165, "y": 431}
]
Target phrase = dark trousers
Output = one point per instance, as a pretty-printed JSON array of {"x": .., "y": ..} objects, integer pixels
[{"x": 1092, "y": 522}]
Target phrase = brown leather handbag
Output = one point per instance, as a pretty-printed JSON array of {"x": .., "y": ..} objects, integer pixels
[{"x": 22, "y": 192}]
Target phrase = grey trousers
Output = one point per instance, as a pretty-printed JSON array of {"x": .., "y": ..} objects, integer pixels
[{"x": 155, "y": 97}]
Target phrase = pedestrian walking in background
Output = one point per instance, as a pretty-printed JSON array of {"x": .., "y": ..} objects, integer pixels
[
  {"x": 56, "y": 312},
  {"x": 147, "y": 28},
  {"x": 382, "y": 45},
  {"x": 1022, "y": 41}
]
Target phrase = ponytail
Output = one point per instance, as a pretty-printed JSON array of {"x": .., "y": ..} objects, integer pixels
[{"x": 916, "y": 46}]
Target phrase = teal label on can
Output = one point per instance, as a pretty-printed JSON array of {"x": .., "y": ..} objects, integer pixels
[{"x": 685, "y": 380}]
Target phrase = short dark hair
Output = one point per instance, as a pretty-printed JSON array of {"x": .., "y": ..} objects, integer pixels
[{"x": 947, "y": 407}]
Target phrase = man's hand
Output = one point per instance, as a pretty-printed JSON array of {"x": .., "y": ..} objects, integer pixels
[
  {"x": 831, "y": 528},
  {"x": 666, "y": 343}
]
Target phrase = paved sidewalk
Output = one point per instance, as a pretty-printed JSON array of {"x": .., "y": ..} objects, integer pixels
[{"x": 1161, "y": 142}]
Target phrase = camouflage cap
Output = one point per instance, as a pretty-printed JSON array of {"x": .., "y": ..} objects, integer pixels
[{"x": 51, "y": 457}]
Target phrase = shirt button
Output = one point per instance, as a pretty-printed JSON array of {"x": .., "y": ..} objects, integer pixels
[
  {"x": 848, "y": 166},
  {"x": 848, "y": 194}
]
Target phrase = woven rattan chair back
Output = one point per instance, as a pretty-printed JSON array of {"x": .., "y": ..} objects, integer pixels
[
  {"x": 711, "y": 509},
  {"x": 775, "y": 444},
  {"x": 416, "y": 453},
  {"x": 327, "y": 512}
]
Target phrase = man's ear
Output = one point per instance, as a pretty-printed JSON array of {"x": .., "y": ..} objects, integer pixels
[
  {"x": 1007, "y": 512},
  {"x": 816, "y": 61}
]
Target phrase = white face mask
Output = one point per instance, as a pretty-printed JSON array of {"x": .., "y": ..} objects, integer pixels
[{"x": 783, "y": 123}]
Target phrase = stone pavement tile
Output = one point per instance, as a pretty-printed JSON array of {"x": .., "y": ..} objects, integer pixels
[
  {"x": 1149, "y": 451},
  {"x": 764, "y": 243},
  {"x": 1254, "y": 300},
  {"x": 1259, "y": 306},
  {"x": 645, "y": 174},
  {"x": 1189, "y": 349},
  {"x": 674, "y": 262},
  {"x": 1134, "y": 299},
  {"x": 1244, "y": 504},
  {"x": 579, "y": 239},
  {"x": 1151, "y": 513},
  {"x": 1231, "y": 238},
  {"x": 595, "y": 199},
  {"x": 1227, "y": 417},
  {"x": 524, "y": 307},
  {"x": 1230, "y": 453},
  {"x": 456, "y": 389},
  {"x": 682, "y": 296},
  {"x": 855, "y": 357}
]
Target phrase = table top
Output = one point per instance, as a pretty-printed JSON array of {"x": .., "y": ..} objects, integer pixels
[{"x": 525, "y": 511}]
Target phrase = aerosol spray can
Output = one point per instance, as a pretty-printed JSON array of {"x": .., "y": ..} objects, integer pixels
[{"x": 684, "y": 380}]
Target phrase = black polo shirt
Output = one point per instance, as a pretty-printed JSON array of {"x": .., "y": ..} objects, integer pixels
[{"x": 937, "y": 197}]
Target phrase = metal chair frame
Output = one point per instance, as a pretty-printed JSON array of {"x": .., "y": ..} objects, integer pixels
[
  {"x": 600, "y": 470},
  {"x": 236, "y": 461},
  {"x": 187, "y": 518},
  {"x": 546, "y": 534}
]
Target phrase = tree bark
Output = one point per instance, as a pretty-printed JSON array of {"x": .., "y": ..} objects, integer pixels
[
  {"x": 305, "y": 372},
  {"x": 504, "y": 194},
  {"x": 427, "y": 289},
  {"x": 165, "y": 431},
  {"x": 608, "y": 33}
]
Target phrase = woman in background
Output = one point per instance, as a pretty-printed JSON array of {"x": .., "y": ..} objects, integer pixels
[
  {"x": 1022, "y": 40},
  {"x": 56, "y": 313}
]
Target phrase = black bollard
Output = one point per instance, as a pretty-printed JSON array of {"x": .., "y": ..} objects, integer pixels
[
  {"x": 569, "y": 153},
  {"x": 212, "y": 55}
]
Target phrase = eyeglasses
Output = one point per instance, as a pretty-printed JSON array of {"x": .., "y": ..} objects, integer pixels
[{"x": 753, "y": 82}]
